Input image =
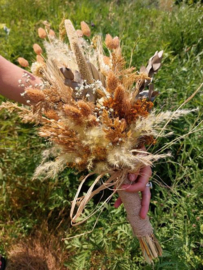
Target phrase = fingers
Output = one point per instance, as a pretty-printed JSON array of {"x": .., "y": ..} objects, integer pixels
[
  {"x": 133, "y": 176},
  {"x": 142, "y": 180},
  {"x": 118, "y": 203},
  {"x": 146, "y": 196}
]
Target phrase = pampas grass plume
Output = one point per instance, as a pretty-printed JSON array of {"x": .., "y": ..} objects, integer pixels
[
  {"x": 23, "y": 62},
  {"x": 41, "y": 33},
  {"x": 85, "y": 29},
  {"x": 37, "y": 49}
]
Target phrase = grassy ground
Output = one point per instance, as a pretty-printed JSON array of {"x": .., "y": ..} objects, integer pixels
[{"x": 34, "y": 215}]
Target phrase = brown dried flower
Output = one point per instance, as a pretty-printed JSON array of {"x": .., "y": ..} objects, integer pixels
[
  {"x": 112, "y": 82},
  {"x": 116, "y": 42},
  {"x": 23, "y": 62},
  {"x": 85, "y": 29},
  {"x": 35, "y": 95},
  {"x": 42, "y": 33},
  {"x": 52, "y": 33},
  {"x": 109, "y": 42},
  {"x": 40, "y": 59},
  {"x": 37, "y": 49}
]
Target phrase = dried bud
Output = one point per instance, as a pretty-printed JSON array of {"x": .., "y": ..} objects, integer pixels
[
  {"x": 79, "y": 33},
  {"x": 109, "y": 42},
  {"x": 41, "y": 33},
  {"x": 112, "y": 82},
  {"x": 85, "y": 29},
  {"x": 51, "y": 33},
  {"x": 40, "y": 59},
  {"x": 37, "y": 49},
  {"x": 23, "y": 62},
  {"x": 35, "y": 95},
  {"x": 116, "y": 42}
]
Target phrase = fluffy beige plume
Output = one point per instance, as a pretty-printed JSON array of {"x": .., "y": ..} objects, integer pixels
[
  {"x": 51, "y": 169},
  {"x": 152, "y": 124},
  {"x": 120, "y": 157}
]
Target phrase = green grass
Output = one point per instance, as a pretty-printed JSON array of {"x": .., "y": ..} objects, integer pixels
[{"x": 176, "y": 207}]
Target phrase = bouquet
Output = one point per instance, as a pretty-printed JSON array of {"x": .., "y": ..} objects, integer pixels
[{"x": 98, "y": 114}]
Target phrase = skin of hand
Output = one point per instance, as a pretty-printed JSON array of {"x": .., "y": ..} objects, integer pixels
[
  {"x": 139, "y": 182},
  {"x": 10, "y": 75}
]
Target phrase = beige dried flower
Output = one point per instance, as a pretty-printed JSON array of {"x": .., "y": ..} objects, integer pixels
[
  {"x": 37, "y": 49},
  {"x": 23, "y": 62},
  {"x": 35, "y": 95},
  {"x": 51, "y": 114},
  {"x": 42, "y": 33},
  {"x": 85, "y": 29}
]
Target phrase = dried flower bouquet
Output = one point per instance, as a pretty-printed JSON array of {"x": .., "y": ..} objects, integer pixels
[{"x": 98, "y": 115}]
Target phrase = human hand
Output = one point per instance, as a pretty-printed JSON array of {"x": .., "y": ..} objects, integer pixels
[{"x": 139, "y": 181}]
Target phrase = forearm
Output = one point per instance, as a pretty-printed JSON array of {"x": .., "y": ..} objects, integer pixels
[{"x": 12, "y": 81}]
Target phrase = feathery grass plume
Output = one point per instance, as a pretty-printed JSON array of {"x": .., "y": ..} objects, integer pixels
[
  {"x": 51, "y": 114},
  {"x": 35, "y": 95},
  {"x": 23, "y": 62},
  {"x": 79, "y": 33},
  {"x": 37, "y": 49},
  {"x": 106, "y": 60},
  {"x": 85, "y": 108},
  {"x": 74, "y": 113},
  {"x": 85, "y": 29},
  {"x": 41, "y": 33}
]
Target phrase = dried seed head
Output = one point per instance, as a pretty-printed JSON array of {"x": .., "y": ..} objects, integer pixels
[
  {"x": 51, "y": 114},
  {"x": 116, "y": 42},
  {"x": 40, "y": 59},
  {"x": 73, "y": 112},
  {"x": 119, "y": 94},
  {"x": 42, "y": 33},
  {"x": 51, "y": 33},
  {"x": 23, "y": 62},
  {"x": 106, "y": 60},
  {"x": 85, "y": 29},
  {"x": 112, "y": 82},
  {"x": 37, "y": 49},
  {"x": 79, "y": 33},
  {"x": 84, "y": 108},
  {"x": 35, "y": 95},
  {"x": 109, "y": 42}
]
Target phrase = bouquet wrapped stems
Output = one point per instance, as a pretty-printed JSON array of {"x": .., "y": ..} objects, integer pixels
[{"x": 142, "y": 228}]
